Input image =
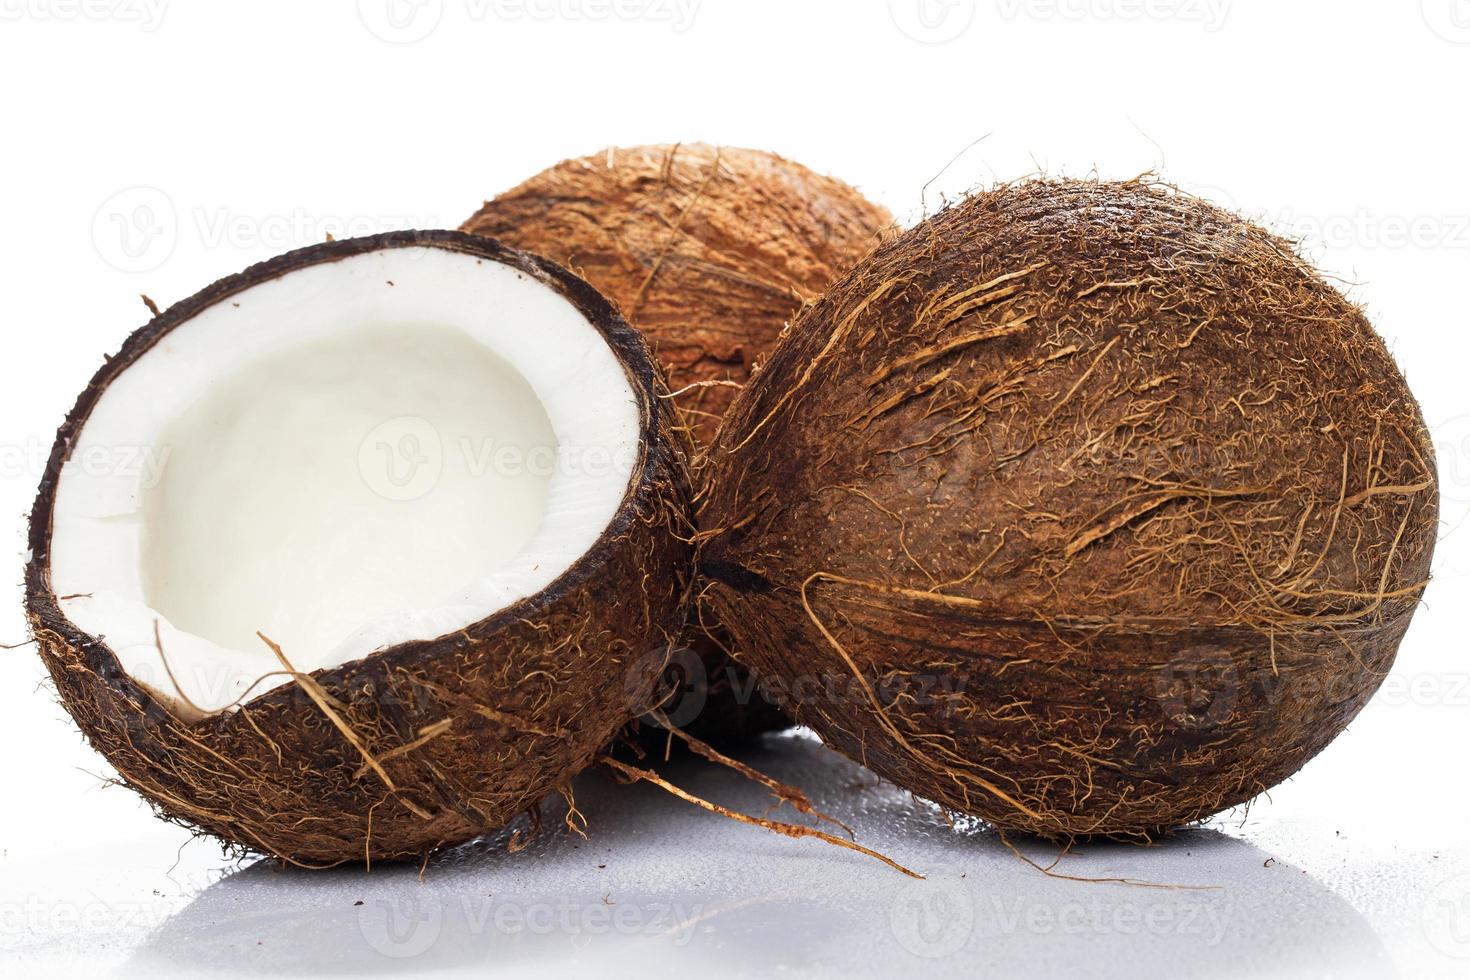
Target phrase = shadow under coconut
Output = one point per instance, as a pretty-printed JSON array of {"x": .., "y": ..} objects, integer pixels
[{"x": 660, "y": 885}]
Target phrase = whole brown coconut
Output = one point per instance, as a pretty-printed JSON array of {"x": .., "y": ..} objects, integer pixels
[
  {"x": 1085, "y": 508},
  {"x": 425, "y": 742},
  {"x": 709, "y": 251}
]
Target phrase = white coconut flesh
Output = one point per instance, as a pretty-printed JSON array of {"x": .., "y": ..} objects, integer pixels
[{"x": 385, "y": 448}]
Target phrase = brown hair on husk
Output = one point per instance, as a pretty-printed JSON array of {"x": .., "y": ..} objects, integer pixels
[
  {"x": 1083, "y": 507},
  {"x": 709, "y": 250},
  {"x": 426, "y": 743}
]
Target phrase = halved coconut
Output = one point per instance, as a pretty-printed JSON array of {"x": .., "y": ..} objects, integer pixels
[{"x": 432, "y": 475}]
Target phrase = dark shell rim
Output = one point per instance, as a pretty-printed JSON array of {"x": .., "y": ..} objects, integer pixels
[{"x": 628, "y": 347}]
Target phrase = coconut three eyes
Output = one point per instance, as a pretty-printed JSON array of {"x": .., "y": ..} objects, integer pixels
[
  {"x": 1082, "y": 507},
  {"x": 406, "y": 549}
]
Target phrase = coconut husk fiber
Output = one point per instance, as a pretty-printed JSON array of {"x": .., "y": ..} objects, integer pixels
[
  {"x": 709, "y": 251},
  {"x": 1083, "y": 507}
]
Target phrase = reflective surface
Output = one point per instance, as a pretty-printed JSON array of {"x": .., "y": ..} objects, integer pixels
[{"x": 659, "y": 885}]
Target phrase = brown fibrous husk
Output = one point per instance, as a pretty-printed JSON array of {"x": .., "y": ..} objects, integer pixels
[
  {"x": 423, "y": 744},
  {"x": 709, "y": 250},
  {"x": 1083, "y": 507}
]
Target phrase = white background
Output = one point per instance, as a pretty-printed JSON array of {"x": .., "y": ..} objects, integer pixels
[{"x": 155, "y": 145}]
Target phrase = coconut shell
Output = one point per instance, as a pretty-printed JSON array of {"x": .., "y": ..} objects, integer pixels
[
  {"x": 450, "y": 737},
  {"x": 1082, "y": 507},
  {"x": 708, "y": 250}
]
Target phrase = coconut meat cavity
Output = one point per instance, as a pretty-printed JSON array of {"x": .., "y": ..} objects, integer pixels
[{"x": 356, "y": 454}]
